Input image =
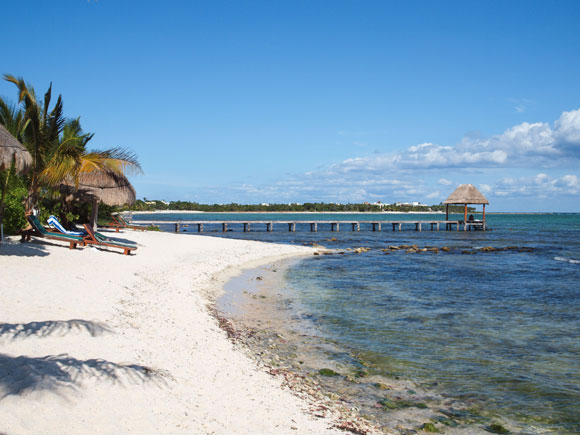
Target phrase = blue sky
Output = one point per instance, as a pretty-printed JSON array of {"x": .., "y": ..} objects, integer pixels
[{"x": 297, "y": 101}]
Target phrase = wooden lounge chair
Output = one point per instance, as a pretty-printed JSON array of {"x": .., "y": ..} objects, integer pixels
[
  {"x": 94, "y": 238},
  {"x": 38, "y": 230},
  {"x": 118, "y": 223}
]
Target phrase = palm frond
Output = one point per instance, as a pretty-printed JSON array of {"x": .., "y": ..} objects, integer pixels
[{"x": 119, "y": 160}]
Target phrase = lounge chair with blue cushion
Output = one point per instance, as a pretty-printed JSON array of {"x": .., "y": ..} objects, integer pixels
[
  {"x": 39, "y": 231},
  {"x": 52, "y": 220},
  {"x": 95, "y": 238}
]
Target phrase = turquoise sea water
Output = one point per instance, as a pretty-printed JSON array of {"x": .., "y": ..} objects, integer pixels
[{"x": 501, "y": 327}]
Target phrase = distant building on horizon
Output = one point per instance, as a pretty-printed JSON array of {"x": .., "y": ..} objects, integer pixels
[{"x": 410, "y": 204}]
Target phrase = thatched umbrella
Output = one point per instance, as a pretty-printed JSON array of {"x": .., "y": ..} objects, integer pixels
[
  {"x": 10, "y": 151},
  {"x": 466, "y": 194},
  {"x": 108, "y": 188}
]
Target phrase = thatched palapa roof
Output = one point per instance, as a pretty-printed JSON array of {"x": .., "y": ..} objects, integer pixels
[
  {"x": 466, "y": 194},
  {"x": 110, "y": 189},
  {"x": 11, "y": 149}
]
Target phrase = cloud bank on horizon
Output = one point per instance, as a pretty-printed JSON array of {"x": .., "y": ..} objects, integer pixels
[{"x": 546, "y": 156}]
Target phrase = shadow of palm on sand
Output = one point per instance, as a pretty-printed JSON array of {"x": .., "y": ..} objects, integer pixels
[
  {"x": 55, "y": 373},
  {"x": 14, "y": 331}
]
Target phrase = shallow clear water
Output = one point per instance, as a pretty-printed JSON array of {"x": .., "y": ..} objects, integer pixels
[{"x": 502, "y": 327}]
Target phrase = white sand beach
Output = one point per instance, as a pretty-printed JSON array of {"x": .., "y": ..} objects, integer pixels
[{"x": 97, "y": 342}]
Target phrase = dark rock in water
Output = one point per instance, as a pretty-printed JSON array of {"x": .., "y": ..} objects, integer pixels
[
  {"x": 467, "y": 252},
  {"x": 488, "y": 249},
  {"x": 259, "y": 278},
  {"x": 445, "y": 249},
  {"x": 390, "y": 404},
  {"x": 526, "y": 249},
  {"x": 400, "y": 404},
  {"x": 328, "y": 372},
  {"x": 316, "y": 253},
  {"x": 496, "y": 428},
  {"x": 447, "y": 421}
]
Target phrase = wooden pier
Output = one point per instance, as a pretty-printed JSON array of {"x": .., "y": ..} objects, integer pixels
[{"x": 333, "y": 226}]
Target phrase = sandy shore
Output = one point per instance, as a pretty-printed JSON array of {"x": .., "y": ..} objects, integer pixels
[{"x": 98, "y": 342}]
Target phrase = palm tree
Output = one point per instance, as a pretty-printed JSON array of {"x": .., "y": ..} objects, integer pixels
[
  {"x": 41, "y": 131},
  {"x": 58, "y": 146}
]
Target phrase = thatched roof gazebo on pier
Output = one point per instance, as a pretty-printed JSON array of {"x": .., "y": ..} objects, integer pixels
[{"x": 466, "y": 194}]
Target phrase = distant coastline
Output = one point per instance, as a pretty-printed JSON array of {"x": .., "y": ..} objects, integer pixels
[
  {"x": 283, "y": 212},
  {"x": 154, "y": 212}
]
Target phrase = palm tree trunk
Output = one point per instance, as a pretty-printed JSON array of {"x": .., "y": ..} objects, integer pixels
[
  {"x": 2, "y": 198},
  {"x": 32, "y": 198}
]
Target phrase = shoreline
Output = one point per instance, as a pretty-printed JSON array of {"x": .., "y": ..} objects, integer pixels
[
  {"x": 141, "y": 351},
  {"x": 320, "y": 402},
  {"x": 256, "y": 309}
]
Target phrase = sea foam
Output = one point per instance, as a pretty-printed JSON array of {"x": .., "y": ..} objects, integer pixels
[{"x": 567, "y": 260}]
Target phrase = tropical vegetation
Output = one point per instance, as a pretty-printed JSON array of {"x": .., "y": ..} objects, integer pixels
[
  {"x": 59, "y": 149},
  {"x": 151, "y": 205}
]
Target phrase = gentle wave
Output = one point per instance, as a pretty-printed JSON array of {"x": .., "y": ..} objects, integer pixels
[{"x": 567, "y": 260}]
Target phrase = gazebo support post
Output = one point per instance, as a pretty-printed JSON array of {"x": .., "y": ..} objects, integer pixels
[
  {"x": 94, "y": 214},
  {"x": 465, "y": 214},
  {"x": 483, "y": 217},
  {"x": 446, "y": 212}
]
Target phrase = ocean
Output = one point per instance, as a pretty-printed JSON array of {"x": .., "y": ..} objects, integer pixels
[{"x": 487, "y": 331}]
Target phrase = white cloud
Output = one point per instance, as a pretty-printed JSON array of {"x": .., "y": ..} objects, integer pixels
[
  {"x": 444, "y": 182},
  {"x": 485, "y": 188},
  {"x": 568, "y": 128},
  {"x": 432, "y": 195},
  {"x": 540, "y": 186},
  {"x": 527, "y": 145}
]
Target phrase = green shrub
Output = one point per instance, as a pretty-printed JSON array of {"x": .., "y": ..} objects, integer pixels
[{"x": 14, "y": 218}]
